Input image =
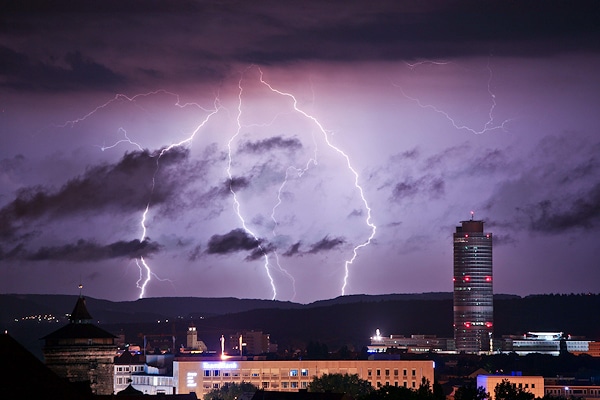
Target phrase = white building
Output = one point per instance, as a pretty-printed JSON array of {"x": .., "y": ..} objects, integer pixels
[
  {"x": 201, "y": 375},
  {"x": 544, "y": 342}
]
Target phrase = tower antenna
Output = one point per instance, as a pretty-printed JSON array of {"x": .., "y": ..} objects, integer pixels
[{"x": 472, "y": 214}]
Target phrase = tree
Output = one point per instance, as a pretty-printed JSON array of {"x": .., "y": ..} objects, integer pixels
[
  {"x": 341, "y": 383},
  {"x": 230, "y": 391},
  {"x": 470, "y": 392},
  {"x": 509, "y": 391}
]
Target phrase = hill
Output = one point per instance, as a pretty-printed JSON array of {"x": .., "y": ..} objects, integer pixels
[{"x": 344, "y": 321}]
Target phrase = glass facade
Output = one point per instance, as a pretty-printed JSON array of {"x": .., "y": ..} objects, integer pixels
[{"x": 473, "y": 287}]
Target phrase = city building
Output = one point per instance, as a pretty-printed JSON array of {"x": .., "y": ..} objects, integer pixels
[
  {"x": 473, "y": 292},
  {"x": 193, "y": 344},
  {"x": 531, "y": 384},
  {"x": 251, "y": 343},
  {"x": 201, "y": 375},
  {"x": 545, "y": 343},
  {"x": 412, "y": 344},
  {"x": 82, "y": 352},
  {"x": 125, "y": 366}
]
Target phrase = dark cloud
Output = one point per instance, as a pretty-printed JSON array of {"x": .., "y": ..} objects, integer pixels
[
  {"x": 260, "y": 251},
  {"x": 126, "y": 186},
  {"x": 269, "y": 144},
  {"x": 583, "y": 212},
  {"x": 79, "y": 73},
  {"x": 293, "y": 250},
  {"x": 233, "y": 241},
  {"x": 84, "y": 250},
  {"x": 269, "y": 33},
  {"x": 325, "y": 244},
  {"x": 434, "y": 187},
  {"x": 236, "y": 183},
  {"x": 195, "y": 253}
]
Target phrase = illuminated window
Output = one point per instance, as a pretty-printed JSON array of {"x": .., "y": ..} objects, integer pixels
[
  {"x": 293, "y": 372},
  {"x": 304, "y": 372}
]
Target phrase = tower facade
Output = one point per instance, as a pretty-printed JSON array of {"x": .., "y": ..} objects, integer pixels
[
  {"x": 82, "y": 352},
  {"x": 473, "y": 290}
]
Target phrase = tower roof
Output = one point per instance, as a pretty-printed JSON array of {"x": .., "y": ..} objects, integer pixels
[{"x": 80, "y": 314}]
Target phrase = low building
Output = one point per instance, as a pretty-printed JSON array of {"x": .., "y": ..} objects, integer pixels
[
  {"x": 201, "y": 375},
  {"x": 552, "y": 343},
  {"x": 531, "y": 384},
  {"x": 583, "y": 392},
  {"x": 412, "y": 344},
  {"x": 125, "y": 366}
]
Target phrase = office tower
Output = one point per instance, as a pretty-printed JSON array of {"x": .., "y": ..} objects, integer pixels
[{"x": 473, "y": 294}]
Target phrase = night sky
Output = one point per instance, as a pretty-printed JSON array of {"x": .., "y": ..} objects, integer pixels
[{"x": 296, "y": 150}]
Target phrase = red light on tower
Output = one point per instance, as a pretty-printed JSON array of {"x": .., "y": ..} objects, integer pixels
[
  {"x": 467, "y": 278},
  {"x": 467, "y": 324},
  {"x": 488, "y": 278},
  {"x": 488, "y": 324}
]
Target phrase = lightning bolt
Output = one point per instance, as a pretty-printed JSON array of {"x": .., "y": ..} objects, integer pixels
[
  {"x": 325, "y": 134},
  {"x": 487, "y": 127},
  {"x": 145, "y": 271}
]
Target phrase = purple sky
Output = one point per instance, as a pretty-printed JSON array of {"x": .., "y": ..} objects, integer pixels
[{"x": 375, "y": 129}]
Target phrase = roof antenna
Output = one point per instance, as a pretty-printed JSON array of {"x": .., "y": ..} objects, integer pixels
[
  {"x": 80, "y": 285},
  {"x": 472, "y": 213}
]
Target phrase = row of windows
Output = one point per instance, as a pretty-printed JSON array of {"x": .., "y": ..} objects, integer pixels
[
  {"x": 301, "y": 385},
  {"x": 387, "y": 372},
  {"x": 254, "y": 374},
  {"x": 134, "y": 368}
]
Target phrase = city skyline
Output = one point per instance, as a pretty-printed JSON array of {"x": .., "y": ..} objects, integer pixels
[{"x": 340, "y": 145}]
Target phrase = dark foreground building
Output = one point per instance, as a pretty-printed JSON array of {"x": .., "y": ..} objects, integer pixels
[
  {"x": 473, "y": 293},
  {"x": 82, "y": 352}
]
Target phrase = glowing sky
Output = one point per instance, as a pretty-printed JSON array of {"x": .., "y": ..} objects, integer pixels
[{"x": 299, "y": 135}]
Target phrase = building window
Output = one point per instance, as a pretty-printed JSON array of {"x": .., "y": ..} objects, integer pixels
[
  {"x": 395, "y": 372},
  {"x": 294, "y": 385},
  {"x": 387, "y": 372},
  {"x": 414, "y": 384},
  {"x": 304, "y": 372},
  {"x": 405, "y": 384},
  {"x": 304, "y": 385},
  {"x": 414, "y": 372},
  {"x": 369, "y": 373},
  {"x": 216, "y": 372},
  {"x": 378, "y": 384},
  {"x": 207, "y": 372},
  {"x": 404, "y": 372},
  {"x": 285, "y": 385},
  {"x": 293, "y": 372},
  {"x": 533, "y": 385},
  {"x": 215, "y": 385},
  {"x": 265, "y": 385},
  {"x": 378, "y": 372}
]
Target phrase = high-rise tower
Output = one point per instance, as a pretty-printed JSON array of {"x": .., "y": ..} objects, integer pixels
[{"x": 473, "y": 292}]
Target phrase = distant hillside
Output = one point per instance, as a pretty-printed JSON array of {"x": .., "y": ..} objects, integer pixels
[{"x": 347, "y": 320}]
